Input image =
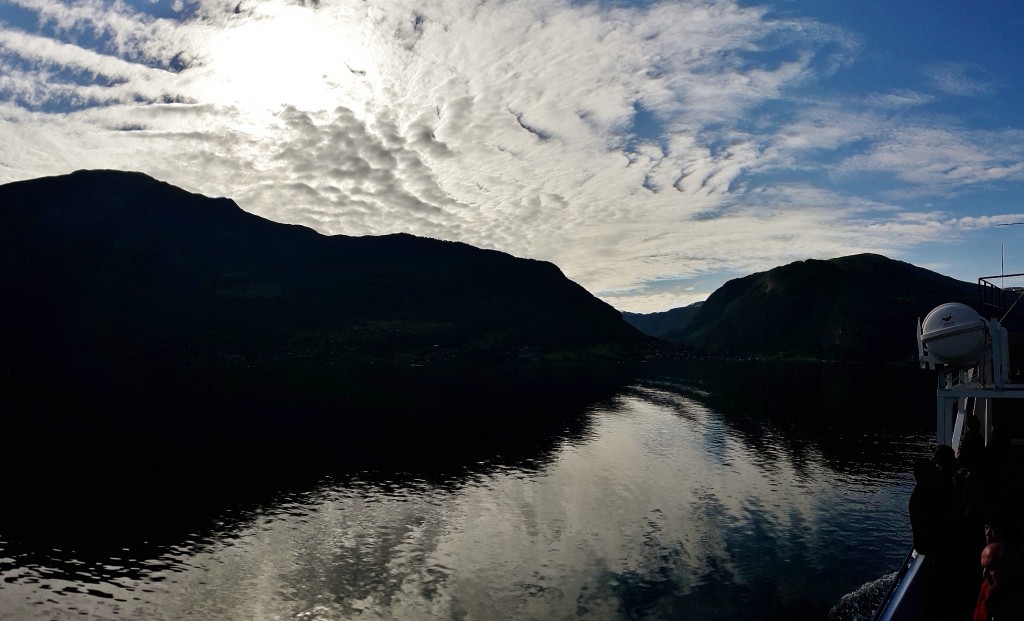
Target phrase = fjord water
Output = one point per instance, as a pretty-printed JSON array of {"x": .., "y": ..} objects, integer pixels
[{"x": 693, "y": 491}]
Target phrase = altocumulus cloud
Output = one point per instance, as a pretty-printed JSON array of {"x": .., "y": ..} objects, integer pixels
[{"x": 650, "y": 151}]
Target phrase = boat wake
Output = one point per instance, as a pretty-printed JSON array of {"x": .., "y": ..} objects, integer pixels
[{"x": 861, "y": 604}]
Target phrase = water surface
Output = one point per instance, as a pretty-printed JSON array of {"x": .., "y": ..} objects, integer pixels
[{"x": 695, "y": 492}]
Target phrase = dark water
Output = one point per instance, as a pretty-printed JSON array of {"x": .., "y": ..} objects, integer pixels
[{"x": 693, "y": 492}]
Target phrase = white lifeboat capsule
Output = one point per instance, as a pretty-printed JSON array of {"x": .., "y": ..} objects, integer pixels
[{"x": 953, "y": 333}]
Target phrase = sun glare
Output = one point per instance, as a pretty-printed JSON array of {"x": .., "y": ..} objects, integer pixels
[{"x": 285, "y": 55}]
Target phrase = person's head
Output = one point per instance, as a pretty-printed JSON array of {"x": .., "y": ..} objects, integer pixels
[
  {"x": 993, "y": 533},
  {"x": 924, "y": 470},
  {"x": 1000, "y": 527},
  {"x": 998, "y": 566},
  {"x": 973, "y": 423},
  {"x": 945, "y": 459}
]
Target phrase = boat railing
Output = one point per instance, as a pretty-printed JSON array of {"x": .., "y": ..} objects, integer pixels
[
  {"x": 902, "y": 600},
  {"x": 998, "y": 300}
]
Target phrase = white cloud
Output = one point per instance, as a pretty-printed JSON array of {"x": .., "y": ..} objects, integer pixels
[
  {"x": 958, "y": 79},
  {"x": 941, "y": 160},
  {"x": 119, "y": 80}
]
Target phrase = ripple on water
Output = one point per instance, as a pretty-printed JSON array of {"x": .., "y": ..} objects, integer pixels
[{"x": 667, "y": 503}]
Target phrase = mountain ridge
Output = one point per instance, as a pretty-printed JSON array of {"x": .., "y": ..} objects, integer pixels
[
  {"x": 859, "y": 308},
  {"x": 208, "y": 279},
  {"x": 123, "y": 231}
]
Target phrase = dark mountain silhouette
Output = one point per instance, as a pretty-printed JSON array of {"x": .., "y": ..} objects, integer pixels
[
  {"x": 102, "y": 265},
  {"x": 124, "y": 298},
  {"x": 668, "y": 325},
  {"x": 857, "y": 308}
]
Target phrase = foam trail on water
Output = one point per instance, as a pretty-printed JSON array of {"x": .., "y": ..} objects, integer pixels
[{"x": 861, "y": 604}]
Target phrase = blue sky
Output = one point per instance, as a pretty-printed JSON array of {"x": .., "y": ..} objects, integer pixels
[{"x": 652, "y": 150}]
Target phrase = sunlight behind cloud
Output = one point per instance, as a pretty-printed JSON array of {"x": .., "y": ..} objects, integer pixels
[{"x": 283, "y": 55}]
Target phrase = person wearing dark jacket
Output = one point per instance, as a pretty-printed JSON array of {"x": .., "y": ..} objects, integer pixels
[
  {"x": 971, "y": 453},
  {"x": 939, "y": 526}
]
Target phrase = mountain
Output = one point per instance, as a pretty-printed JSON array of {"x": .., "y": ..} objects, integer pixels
[
  {"x": 128, "y": 303},
  {"x": 857, "y": 308},
  {"x": 118, "y": 264},
  {"x": 667, "y": 325}
]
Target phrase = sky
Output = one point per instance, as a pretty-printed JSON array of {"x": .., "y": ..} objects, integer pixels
[{"x": 651, "y": 150}]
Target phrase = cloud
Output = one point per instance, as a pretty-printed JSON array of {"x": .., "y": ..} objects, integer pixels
[
  {"x": 338, "y": 158},
  {"x": 114, "y": 28},
  {"x": 76, "y": 75},
  {"x": 940, "y": 160},
  {"x": 959, "y": 79},
  {"x": 899, "y": 99}
]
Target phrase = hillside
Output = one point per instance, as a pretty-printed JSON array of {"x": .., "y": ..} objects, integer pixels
[
  {"x": 857, "y": 308},
  {"x": 130, "y": 306},
  {"x": 118, "y": 264}
]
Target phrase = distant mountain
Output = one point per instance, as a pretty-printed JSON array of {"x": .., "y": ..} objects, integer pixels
[
  {"x": 668, "y": 325},
  {"x": 859, "y": 308}
]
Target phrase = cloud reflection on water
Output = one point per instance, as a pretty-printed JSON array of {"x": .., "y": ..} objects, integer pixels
[{"x": 666, "y": 507}]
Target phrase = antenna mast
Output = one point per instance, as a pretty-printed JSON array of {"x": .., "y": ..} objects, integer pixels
[{"x": 1001, "y": 253}]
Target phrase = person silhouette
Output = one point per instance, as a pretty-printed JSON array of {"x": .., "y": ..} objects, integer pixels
[
  {"x": 971, "y": 453},
  {"x": 939, "y": 526}
]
